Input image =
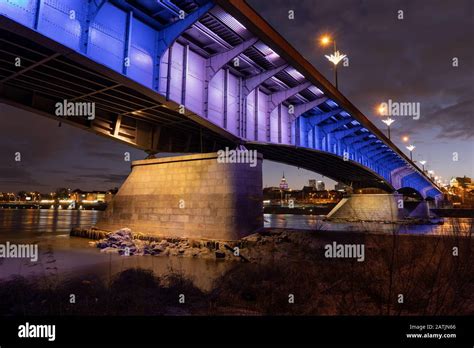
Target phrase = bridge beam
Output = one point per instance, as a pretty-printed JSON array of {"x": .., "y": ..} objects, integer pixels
[
  {"x": 340, "y": 135},
  {"x": 333, "y": 126},
  {"x": 38, "y": 13},
  {"x": 128, "y": 41},
  {"x": 371, "y": 142},
  {"x": 381, "y": 155},
  {"x": 375, "y": 152},
  {"x": 302, "y": 108},
  {"x": 278, "y": 98},
  {"x": 217, "y": 62},
  {"x": 397, "y": 174},
  {"x": 312, "y": 123},
  {"x": 315, "y": 120},
  {"x": 166, "y": 36},
  {"x": 342, "y": 145},
  {"x": 350, "y": 140},
  {"x": 249, "y": 84}
]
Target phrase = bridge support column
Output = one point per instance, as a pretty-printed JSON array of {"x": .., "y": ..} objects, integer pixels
[
  {"x": 192, "y": 196},
  {"x": 369, "y": 207}
]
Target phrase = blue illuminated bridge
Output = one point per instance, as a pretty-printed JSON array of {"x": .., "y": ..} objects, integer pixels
[{"x": 190, "y": 76}]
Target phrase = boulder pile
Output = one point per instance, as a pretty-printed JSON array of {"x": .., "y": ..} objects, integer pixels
[{"x": 124, "y": 242}]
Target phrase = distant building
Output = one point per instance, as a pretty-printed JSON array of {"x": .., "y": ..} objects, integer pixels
[
  {"x": 461, "y": 192},
  {"x": 312, "y": 183},
  {"x": 80, "y": 196},
  {"x": 283, "y": 183},
  {"x": 320, "y": 186},
  {"x": 464, "y": 182},
  {"x": 342, "y": 187}
]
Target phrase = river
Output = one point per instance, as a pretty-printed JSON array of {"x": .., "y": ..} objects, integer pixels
[{"x": 65, "y": 256}]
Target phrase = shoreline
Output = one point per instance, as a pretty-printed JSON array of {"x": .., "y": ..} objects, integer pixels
[{"x": 288, "y": 261}]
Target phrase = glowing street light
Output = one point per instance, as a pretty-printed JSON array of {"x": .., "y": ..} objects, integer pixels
[
  {"x": 381, "y": 110},
  {"x": 388, "y": 122},
  {"x": 334, "y": 58},
  {"x": 405, "y": 138},
  {"x": 411, "y": 148},
  {"x": 325, "y": 40},
  {"x": 423, "y": 164}
]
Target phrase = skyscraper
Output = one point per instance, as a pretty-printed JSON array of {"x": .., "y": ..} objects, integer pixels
[
  {"x": 283, "y": 183},
  {"x": 320, "y": 186}
]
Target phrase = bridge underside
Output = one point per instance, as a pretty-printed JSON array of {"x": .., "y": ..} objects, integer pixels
[
  {"x": 327, "y": 164},
  {"x": 131, "y": 113},
  {"x": 125, "y": 111}
]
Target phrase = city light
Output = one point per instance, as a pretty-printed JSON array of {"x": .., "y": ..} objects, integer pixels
[
  {"x": 388, "y": 121},
  {"x": 325, "y": 40},
  {"x": 423, "y": 164},
  {"x": 411, "y": 148},
  {"x": 405, "y": 138},
  {"x": 335, "y": 57},
  {"x": 381, "y": 110}
]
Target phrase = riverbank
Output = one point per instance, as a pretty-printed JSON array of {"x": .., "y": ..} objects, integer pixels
[
  {"x": 288, "y": 273},
  {"x": 326, "y": 208}
]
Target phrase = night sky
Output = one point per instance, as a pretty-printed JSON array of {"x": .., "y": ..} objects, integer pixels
[{"x": 407, "y": 60}]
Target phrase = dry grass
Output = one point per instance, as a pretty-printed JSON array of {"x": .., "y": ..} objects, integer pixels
[{"x": 422, "y": 268}]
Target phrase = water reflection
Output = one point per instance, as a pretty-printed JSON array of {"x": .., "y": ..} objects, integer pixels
[
  {"x": 72, "y": 256},
  {"x": 462, "y": 226}
]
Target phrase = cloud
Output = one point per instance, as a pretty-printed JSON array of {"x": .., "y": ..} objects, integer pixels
[
  {"x": 106, "y": 178},
  {"x": 16, "y": 175},
  {"x": 459, "y": 127}
]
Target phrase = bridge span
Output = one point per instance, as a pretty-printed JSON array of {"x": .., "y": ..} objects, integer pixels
[{"x": 192, "y": 76}]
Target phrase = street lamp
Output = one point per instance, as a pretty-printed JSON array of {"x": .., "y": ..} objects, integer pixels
[
  {"x": 334, "y": 58},
  {"x": 405, "y": 138},
  {"x": 388, "y": 122},
  {"x": 411, "y": 148},
  {"x": 423, "y": 164}
]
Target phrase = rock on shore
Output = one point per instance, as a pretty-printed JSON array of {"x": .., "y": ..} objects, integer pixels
[{"x": 124, "y": 242}]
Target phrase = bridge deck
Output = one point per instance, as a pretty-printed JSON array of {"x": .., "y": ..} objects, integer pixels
[{"x": 193, "y": 76}]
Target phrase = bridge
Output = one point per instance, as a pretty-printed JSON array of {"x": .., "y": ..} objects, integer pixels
[{"x": 192, "y": 76}]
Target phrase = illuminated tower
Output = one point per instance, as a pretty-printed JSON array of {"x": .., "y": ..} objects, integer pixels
[
  {"x": 283, "y": 187},
  {"x": 283, "y": 183}
]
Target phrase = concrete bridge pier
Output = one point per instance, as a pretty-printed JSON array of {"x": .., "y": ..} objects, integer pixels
[
  {"x": 192, "y": 196},
  {"x": 369, "y": 207}
]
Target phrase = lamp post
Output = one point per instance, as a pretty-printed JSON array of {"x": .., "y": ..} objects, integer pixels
[
  {"x": 334, "y": 58},
  {"x": 388, "y": 122},
  {"x": 423, "y": 164},
  {"x": 411, "y": 148}
]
